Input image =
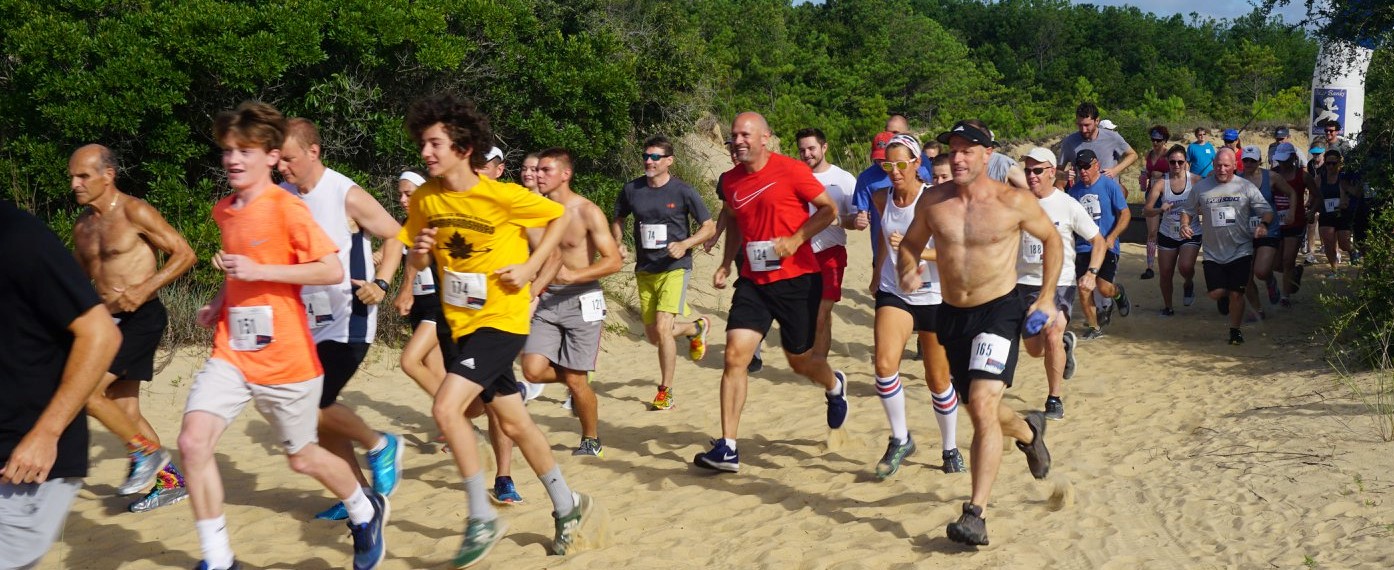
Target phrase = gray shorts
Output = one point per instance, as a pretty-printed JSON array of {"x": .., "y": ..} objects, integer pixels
[
  {"x": 560, "y": 331},
  {"x": 1064, "y": 297},
  {"x": 291, "y": 409},
  {"x": 31, "y": 517}
]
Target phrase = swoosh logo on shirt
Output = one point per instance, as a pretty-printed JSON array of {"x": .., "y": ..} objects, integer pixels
[
  {"x": 739, "y": 202},
  {"x": 257, "y": 242}
]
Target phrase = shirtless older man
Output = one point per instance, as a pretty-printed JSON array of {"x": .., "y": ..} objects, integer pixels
[
  {"x": 975, "y": 222},
  {"x": 117, "y": 241}
]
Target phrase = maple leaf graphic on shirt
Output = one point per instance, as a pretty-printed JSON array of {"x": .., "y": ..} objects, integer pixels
[{"x": 461, "y": 249}]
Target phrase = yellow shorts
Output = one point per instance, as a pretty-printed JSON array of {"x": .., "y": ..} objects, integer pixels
[{"x": 666, "y": 292}]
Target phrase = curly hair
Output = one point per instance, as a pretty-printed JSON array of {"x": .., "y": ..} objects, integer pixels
[
  {"x": 466, "y": 126},
  {"x": 251, "y": 122}
]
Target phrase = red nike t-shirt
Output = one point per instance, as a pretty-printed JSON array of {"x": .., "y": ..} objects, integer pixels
[{"x": 768, "y": 204}]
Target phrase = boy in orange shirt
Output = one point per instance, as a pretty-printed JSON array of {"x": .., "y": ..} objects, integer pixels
[{"x": 262, "y": 348}]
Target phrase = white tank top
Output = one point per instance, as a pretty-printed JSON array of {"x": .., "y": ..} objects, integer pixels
[
  {"x": 897, "y": 219},
  {"x": 334, "y": 313},
  {"x": 1171, "y": 222}
]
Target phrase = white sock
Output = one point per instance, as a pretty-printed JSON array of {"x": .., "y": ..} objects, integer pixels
[
  {"x": 360, "y": 509},
  {"x": 562, "y": 500},
  {"x": 838, "y": 379},
  {"x": 946, "y": 413},
  {"x": 381, "y": 444},
  {"x": 730, "y": 443},
  {"x": 213, "y": 538},
  {"x": 479, "y": 507},
  {"x": 893, "y": 400}
]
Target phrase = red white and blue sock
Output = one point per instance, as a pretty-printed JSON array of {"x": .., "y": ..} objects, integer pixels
[
  {"x": 946, "y": 413},
  {"x": 893, "y": 399}
]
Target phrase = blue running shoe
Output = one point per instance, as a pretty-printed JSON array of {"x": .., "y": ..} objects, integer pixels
[
  {"x": 837, "y": 405},
  {"x": 338, "y": 512},
  {"x": 369, "y": 544},
  {"x": 720, "y": 458},
  {"x": 387, "y": 465},
  {"x": 504, "y": 493}
]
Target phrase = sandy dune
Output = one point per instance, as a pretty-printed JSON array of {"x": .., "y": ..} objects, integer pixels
[{"x": 1177, "y": 451}]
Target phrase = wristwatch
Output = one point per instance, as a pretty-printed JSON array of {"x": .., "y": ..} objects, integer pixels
[
  {"x": 382, "y": 284},
  {"x": 1093, "y": 270}
]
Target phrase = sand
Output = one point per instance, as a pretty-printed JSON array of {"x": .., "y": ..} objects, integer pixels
[{"x": 1177, "y": 451}]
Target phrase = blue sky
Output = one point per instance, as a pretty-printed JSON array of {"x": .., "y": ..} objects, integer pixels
[{"x": 1291, "y": 13}]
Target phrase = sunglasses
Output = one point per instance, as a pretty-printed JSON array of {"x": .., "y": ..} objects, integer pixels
[
  {"x": 1176, "y": 162},
  {"x": 1159, "y": 140},
  {"x": 890, "y": 166},
  {"x": 1039, "y": 170},
  {"x": 655, "y": 157}
]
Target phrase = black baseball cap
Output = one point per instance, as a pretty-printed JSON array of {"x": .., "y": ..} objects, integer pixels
[
  {"x": 1085, "y": 158},
  {"x": 968, "y": 131},
  {"x": 1280, "y": 132}
]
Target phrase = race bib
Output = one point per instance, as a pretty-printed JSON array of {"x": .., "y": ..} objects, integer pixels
[
  {"x": 468, "y": 290},
  {"x": 592, "y": 306},
  {"x": 653, "y": 236},
  {"x": 117, "y": 319},
  {"x": 1222, "y": 216},
  {"x": 989, "y": 353},
  {"x": 820, "y": 243},
  {"x": 424, "y": 284},
  {"x": 926, "y": 278},
  {"x": 317, "y": 310},
  {"x": 1332, "y": 204},
  {"x": 1173, "y": 227},
  {"x": 761, "y": 256},
  {"x": 1283, "y": 217},
  {"x": 1254, "y": 223},
  {"x": 249, "y": 328},
  {"x": 1032, "y": 249},
  {"x": 1091, "y": 204}
]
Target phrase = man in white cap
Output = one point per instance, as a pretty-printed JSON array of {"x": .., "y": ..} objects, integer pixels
[{"x": 493, "y": 164}]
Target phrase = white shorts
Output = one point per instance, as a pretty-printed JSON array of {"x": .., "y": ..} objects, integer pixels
[{"x": 291, "y": 409}]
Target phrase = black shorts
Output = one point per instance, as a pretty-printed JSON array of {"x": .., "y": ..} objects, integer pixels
[
  {"x": 486, "y": 357},
  {"x": 1295, "y": 232},
  {"x": 981, "y": 342},
  {"x": 1106, "y": 271},
  {"x": 1268, "y": 241},
  {"x": 923, "y": 315},
  {"x": 1339, "y": 220},
  {"x": 1167, "y": 243},
  {"x": 425, "y": 308},
  {"x": 792, "y": 302},
  {"x": 1064, "y": 297},
  {"x": 141, "y": 331},
  {"x": 1233, "y": 276},
  {"x": 340, "y": 361}
]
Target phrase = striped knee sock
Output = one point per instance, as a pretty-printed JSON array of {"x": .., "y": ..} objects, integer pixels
[
  {"x": 946, "y": 413},
  {"x": 893, "y": 399}
]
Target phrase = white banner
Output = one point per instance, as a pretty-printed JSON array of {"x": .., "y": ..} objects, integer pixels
[{"x": 1338, "y": 87}]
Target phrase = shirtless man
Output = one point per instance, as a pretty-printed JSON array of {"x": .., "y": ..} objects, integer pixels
[
  {"x": 975, "y": 223},
  {"x": 117, "y": 241},
  {"x": 570, "y": 314}
]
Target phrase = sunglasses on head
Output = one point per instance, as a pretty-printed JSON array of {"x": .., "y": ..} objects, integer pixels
[
  {"x": 891, "y": 165},
  {"x": 655, "y": 157}
]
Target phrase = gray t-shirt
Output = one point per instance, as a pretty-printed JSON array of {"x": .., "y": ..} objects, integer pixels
[
  {"x": 1108, "y": 145},
  {"x": 998, "y": 165},
  {"x": 1224, "y": 210},
  {"x": 662, "y": 216}
]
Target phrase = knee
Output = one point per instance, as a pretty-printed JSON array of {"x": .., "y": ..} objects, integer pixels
[
  {"x": 1216, "y": 294},
  {"x": 803, "y": 364},
  {"x": 195, "y": 448},
  {"x": 302, "y": 463},
  {"x": 446, "y": 413},
  {"x": 532, "y": 371},
  {"x": 651, "y": 333}
]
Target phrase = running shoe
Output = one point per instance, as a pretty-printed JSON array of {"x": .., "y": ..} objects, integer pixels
[
  {"x": 1167, "y": 312},
  {"x": 1355, "y": 258},
  {"x": 1236, "y": 337},
  {"x": 338, "y": 512},
  {"x": 369, "y": 544},
  {"x": 837, "y": 405},
  {"x": 697, "y": 344},
  {"x": 1148, "y": 274},
  {"x": 1188, "y": 294},
  {"x": 144, "y": 468},
  {"x": 1070, "y": 342},
  {"x": 953, "y": 461},
  {"x": 1125, "y": 305},
  {"x": 971, "y": 528},
  {"x": 570, "y": 524},
  {"x": 1273, "y": 295},
  {"x": 756, "y": 363},
  {"x": 480, "y": 538},
  {"x": 663, "y": 400},
  {"x": 1091, "y": 333},
  {"x": 504, "y": 493},
  {"x": 720, "y": 458},
  {"x": 590, "y": 446},
  {"x": 1105, "y": 315},
  {"x": 1037, "y": 456},
  {"x": 204, "y": 566},
  {"x": 387, "y": 465},
  {"x": 1297, "y": 277},
  {"x": 1222, "y": 304},
  {"x": 1311, "y": 259},
  {"x": 895, "y": 454},
  {"x": 158, "y": 497},
  {"x": 1054, "y": 408},
  {"x": 530, "y": 391}
]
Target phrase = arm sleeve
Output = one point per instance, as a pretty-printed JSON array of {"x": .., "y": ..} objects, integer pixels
[
  {"x": 622, "y": 207},
  {"x": 695, "y": 206},
  {"x": 50, "y": 278},
  {"x": 307, "y": 240},
  {"x": 530, "y": 210}
]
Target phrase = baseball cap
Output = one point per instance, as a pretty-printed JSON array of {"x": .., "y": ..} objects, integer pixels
[
  {"x": 1283, "y": 152},
  {"x": 1252, "y": 152},
  {"x": 1318, "y": 150},
  {"x": 878, "y": 144},
  {"x": 1231, "y": 135},
  {"x": 1107, "y": 124},
  {"x": 1085, "y": 158},
  {"x": 1280, "y": 132},
  {"x": 1157, "y": 135},
  {"x": 494, "y": 154},
  {"x": 1040, "y": 154},
  {"x": 968, "y": 131}
]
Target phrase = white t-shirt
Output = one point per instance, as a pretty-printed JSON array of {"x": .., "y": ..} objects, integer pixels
[
  {"x": 839, "y": 184},
  {"x": 1070, "y": 219}
]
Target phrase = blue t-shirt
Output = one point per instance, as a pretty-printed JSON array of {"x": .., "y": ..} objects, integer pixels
[
  {"x": 1202, "y": 158},
  {"x": 1104, "y": 201},
  {"x": 871, "y": 181}
]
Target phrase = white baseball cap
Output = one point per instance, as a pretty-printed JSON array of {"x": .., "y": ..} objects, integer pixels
[
  {"x": 494, "y": 154},
  {"x": 1040, "y": 154},
  {"x": 1107, "y": 124}
]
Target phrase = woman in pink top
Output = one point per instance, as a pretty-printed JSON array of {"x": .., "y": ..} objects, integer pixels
[{"x": 1155, "y": 166}]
